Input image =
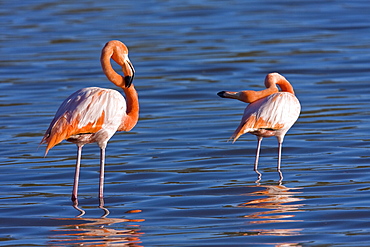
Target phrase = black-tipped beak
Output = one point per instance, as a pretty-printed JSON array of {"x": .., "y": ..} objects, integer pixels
[
  {"x": 128, "y": 81},
  {"x": 221, "y": 94}
]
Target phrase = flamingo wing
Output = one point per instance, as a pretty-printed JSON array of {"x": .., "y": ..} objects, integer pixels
[
  {"x": 277, "y": 112},
  {"x": 88, "y": 110}
]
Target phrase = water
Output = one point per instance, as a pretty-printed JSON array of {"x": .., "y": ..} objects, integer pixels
[{"x": 174, "y": 180}]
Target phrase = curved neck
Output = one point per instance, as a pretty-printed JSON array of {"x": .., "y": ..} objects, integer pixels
[
  {"x": 132, "y": 110},
  {"x": 118, "y": 52},
  {"x": 110, "y": 73},
  {"x": 274, "y": 79},
  {"x": 285, "y": 87},
  {"x": 250, "y": 96},
  {"x": 271, "y": 80}
]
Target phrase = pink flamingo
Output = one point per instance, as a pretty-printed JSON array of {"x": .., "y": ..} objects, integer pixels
[
  {"x": 94, "y": 114},
  {"x": 270, "y": 112}
]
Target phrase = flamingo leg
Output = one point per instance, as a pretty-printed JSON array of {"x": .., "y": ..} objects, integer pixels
[
  {"x": 101, "y": 180},
  {"x": 77, "y": 174},
  {"x": 280, "y": 145},
  {"x": 259, "y": 140}
]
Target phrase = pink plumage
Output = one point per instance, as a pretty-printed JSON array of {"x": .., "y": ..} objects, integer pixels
[
  {"x": 270, "y": 112},
  {"x": 94, "y": 114},
  {"x": 93, "y": 110}
]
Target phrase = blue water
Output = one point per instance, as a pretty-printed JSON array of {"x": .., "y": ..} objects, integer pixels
[{"x": 174, "y": 180}]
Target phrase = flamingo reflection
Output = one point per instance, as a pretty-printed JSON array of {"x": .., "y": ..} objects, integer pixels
[
  {"x": 98, "y": 232},
  {"x": 82, "y": 212},
  {"x": 278, "y": 204},
  {"x": 259, "y": 176}
]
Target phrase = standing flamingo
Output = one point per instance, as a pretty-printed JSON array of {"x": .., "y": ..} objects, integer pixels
[
  {"x": 94, "y": 114},
  {"x": 270, "y": 112}
]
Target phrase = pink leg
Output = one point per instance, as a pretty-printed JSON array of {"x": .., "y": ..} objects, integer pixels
[
  {"x": 280, "y": 145},
  {"x": 101, "y": 180},
  {"x": 259, "y": 140},
  {"x": 77, "y": 173}
]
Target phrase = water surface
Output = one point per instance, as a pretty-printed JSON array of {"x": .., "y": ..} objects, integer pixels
[{"x": 174, "y": 180}]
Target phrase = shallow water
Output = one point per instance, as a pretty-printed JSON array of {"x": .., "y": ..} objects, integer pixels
[{"x": 174, "y": 180}]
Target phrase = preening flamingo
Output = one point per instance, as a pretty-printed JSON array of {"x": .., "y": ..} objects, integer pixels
[
  {"x": 270, "y": 112},
  {"x": 94, "y": 114}
]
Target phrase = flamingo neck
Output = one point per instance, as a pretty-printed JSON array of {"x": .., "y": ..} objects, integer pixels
[
  {"x": 132, "y": 109},
  {"x": 108, "y": 70},
  {"x": 285, "y": 86},
  {"x": 250, "y": 96},
  {"x": 274, "y": 79},
  {"x": 271, "y": 80},
  {"x": 132, "y": 101}
]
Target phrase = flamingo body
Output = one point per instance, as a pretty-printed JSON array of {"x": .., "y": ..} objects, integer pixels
[
  {"x": 273, "y": 115},
  {"x": 89, "y": 115},
  {"x": 270, "y": 112},
  {"x": 94, "y": 114}
]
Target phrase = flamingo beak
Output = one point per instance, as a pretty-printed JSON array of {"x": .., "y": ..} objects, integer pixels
[
  {"x": 228, "y": 94},
  {"x": 128, "y": 81},
  {"x": 221, "y": 94},
  {"x": 129, "y": 72}
]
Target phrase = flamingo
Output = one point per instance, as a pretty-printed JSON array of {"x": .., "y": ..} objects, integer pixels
[
  {"x": 270, "y": 112},
  {"x": 94, "y": 114}
]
